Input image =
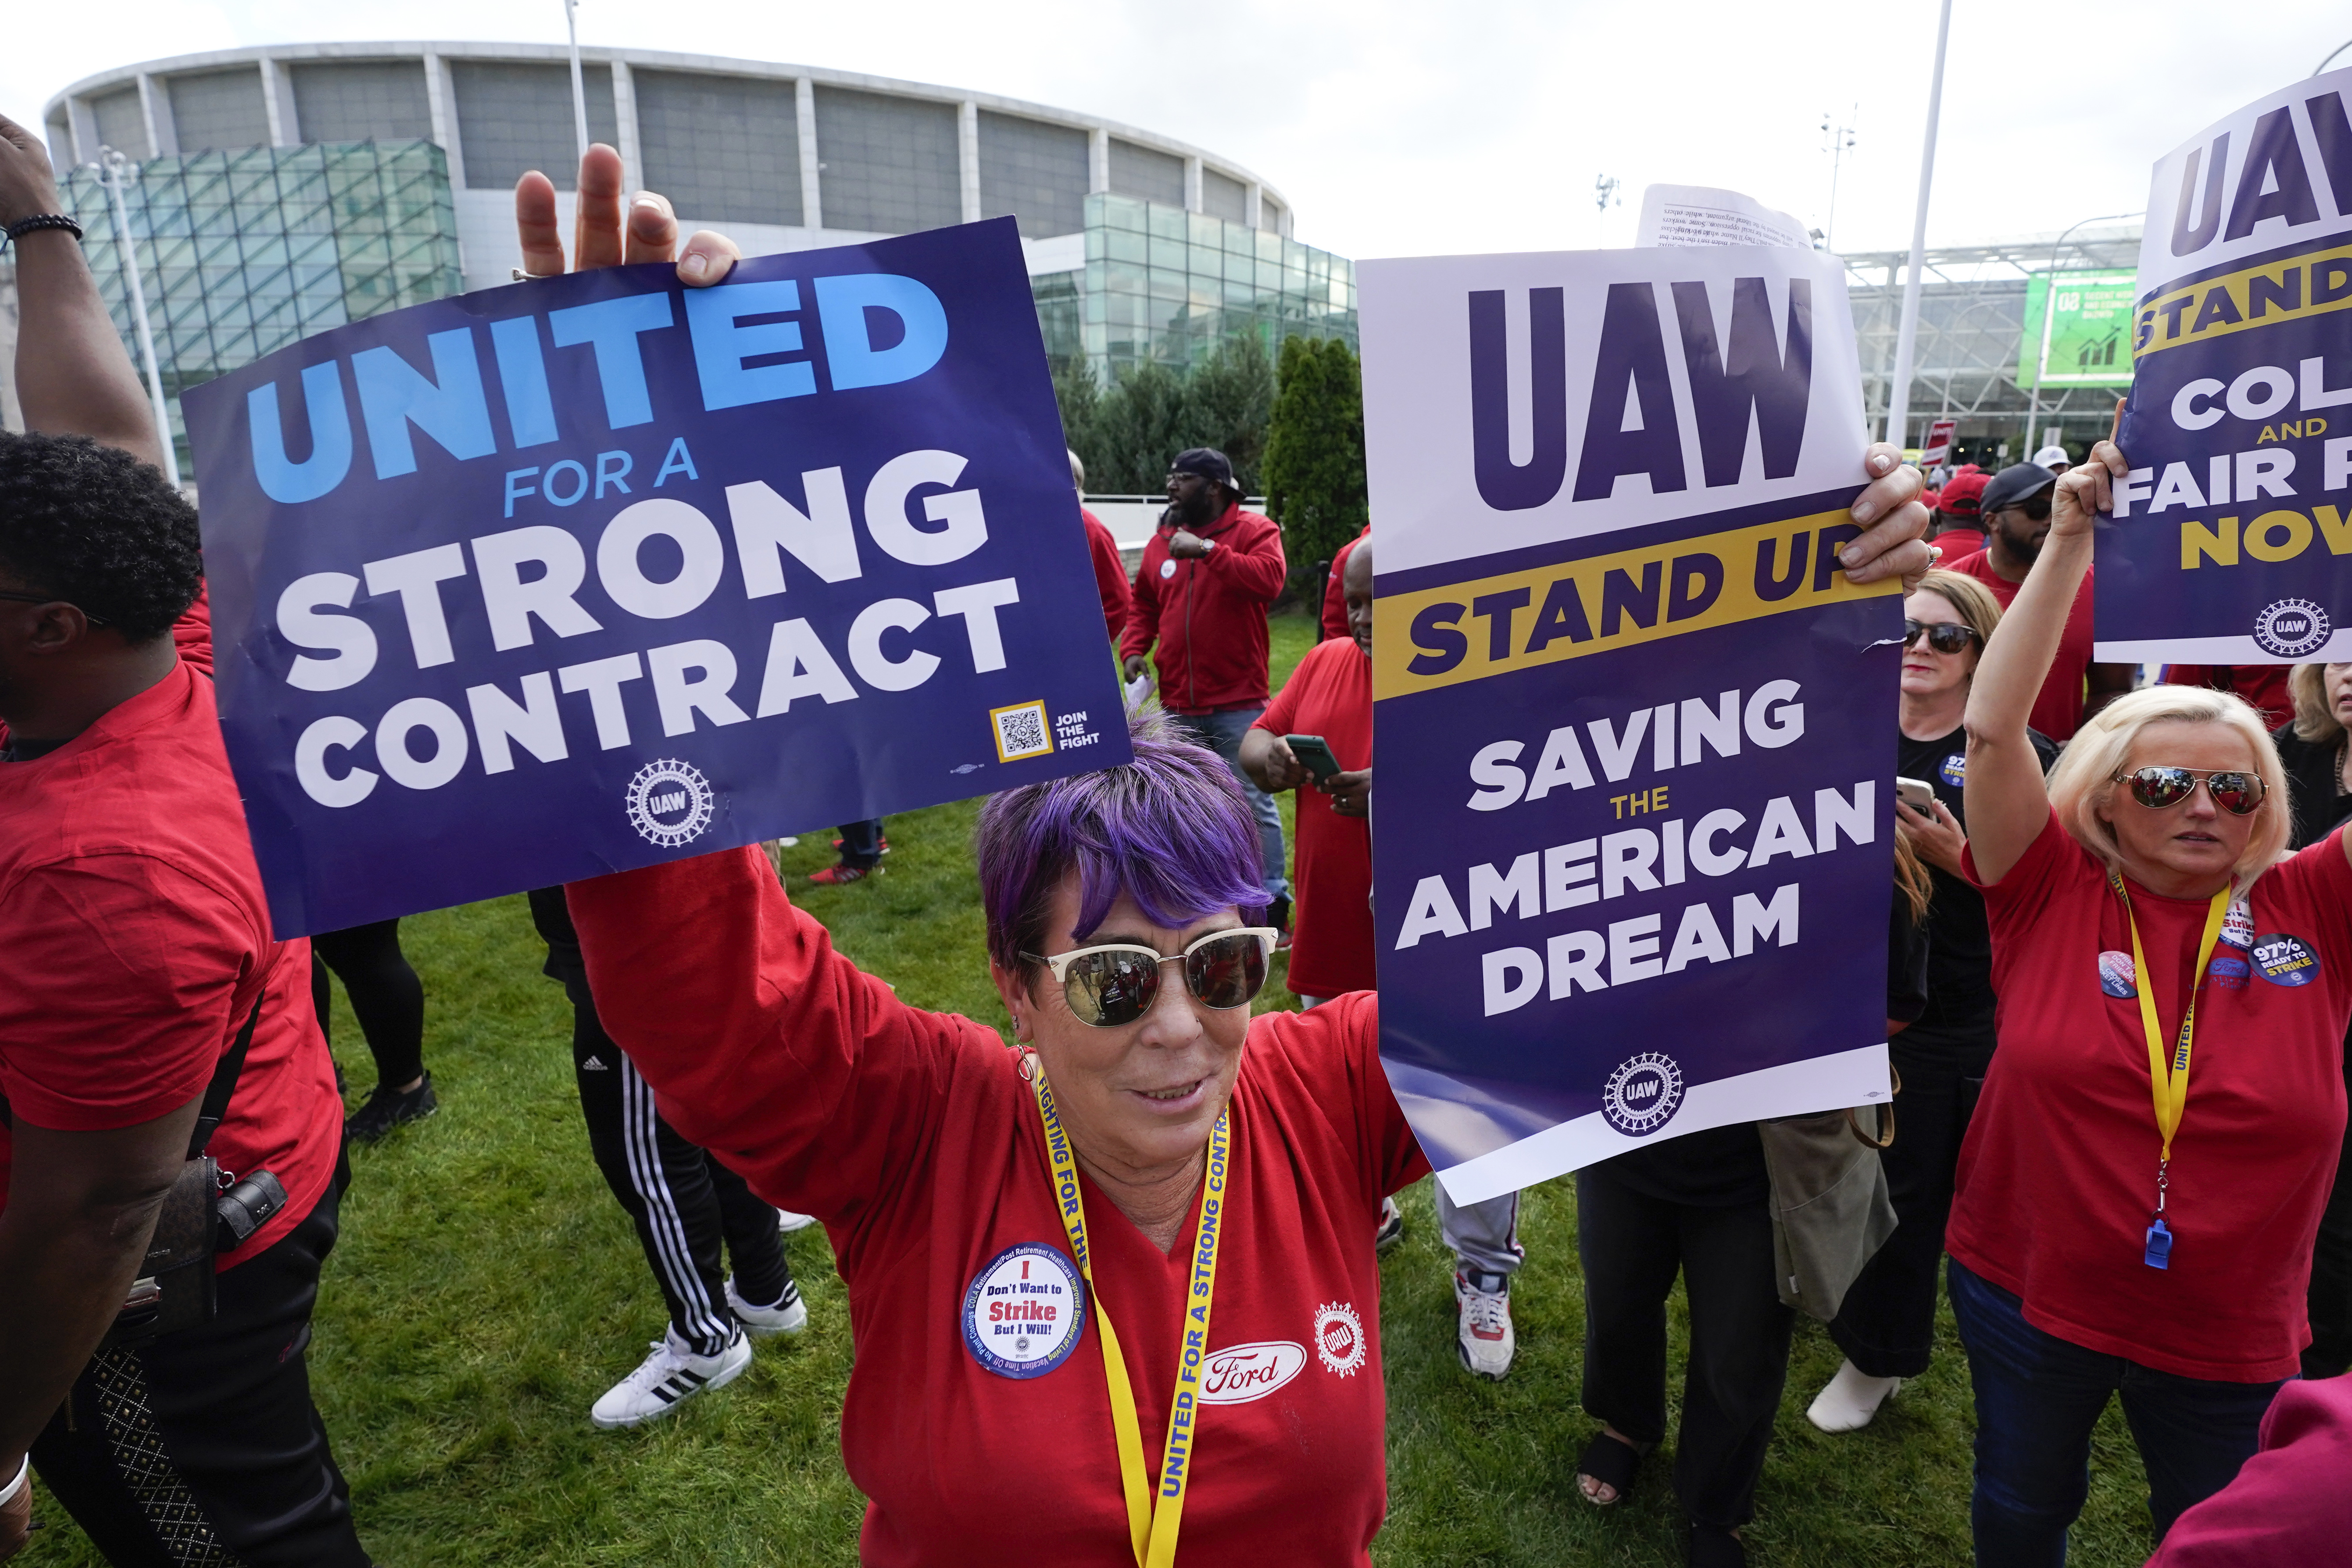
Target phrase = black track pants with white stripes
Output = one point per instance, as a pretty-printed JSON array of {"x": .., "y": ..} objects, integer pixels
[{"x": 684, "y": 1201}]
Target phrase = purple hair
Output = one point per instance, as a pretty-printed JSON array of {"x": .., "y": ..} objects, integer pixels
[{"x": 1169, "y": 829}]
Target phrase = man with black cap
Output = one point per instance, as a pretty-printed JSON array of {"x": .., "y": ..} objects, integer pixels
[
  {"x": 1201, "y": 593},
  {"x": 2016, "y": 512}
]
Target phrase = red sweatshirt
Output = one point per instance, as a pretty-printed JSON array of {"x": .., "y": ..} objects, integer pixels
[
  {"x": 1207, "y": 614},
  {"x": 1335, "y": 597},
  {"x": 1110, "y": 574},
  {"x": 913, "y": 1137}
]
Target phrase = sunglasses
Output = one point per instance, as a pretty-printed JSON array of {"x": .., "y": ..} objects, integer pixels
[
  {"x": 1115, "y": 984},
  {"x": 2161, "y": 788},
  {"x": 2036, "y": 507},
  {"x": 48, "y": 599},
  {"x": 1944, "y": 636}
]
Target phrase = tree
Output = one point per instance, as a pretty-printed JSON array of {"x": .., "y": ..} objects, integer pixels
[
  {"x": 1314, "y": 464},
  {"x": 1128, "y": 435}
]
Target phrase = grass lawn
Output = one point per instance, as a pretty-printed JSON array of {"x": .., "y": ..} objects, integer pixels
[{"x": 487, "y": 1289}]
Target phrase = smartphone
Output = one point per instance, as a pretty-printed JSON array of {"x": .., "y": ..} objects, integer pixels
[
  {"x": 1315, "y": 752},
  {"x": 1917, "y": 794}
]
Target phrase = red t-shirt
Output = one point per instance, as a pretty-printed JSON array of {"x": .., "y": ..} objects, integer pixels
[
  {"x": 2057, "y": 1177},
  {"x": 1959, "y": 543},
  {"x": 913, "y": 1137},
  {"x": 2058, "y": 709},
  {"x": 1110, "y": 574},
  {"x": 1331, "y": 695},
  {"x": 1335, "y": 596},
  {"x": 2289, "y": 1503},
  {"x": 137, "y": 939},
  {"x": 2264, "y": 685}
]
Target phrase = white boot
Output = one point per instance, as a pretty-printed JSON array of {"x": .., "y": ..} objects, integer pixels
[{"x": 1851, "y": 1398}]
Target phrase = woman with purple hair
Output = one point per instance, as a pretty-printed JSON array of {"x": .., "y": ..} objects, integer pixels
[{"x": 1116, "y": 1277}]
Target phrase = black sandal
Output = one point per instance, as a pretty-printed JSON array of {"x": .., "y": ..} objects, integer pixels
[
  {"x": 1711, "y": 1548},
  {"x": 1611, "y": 1461}
]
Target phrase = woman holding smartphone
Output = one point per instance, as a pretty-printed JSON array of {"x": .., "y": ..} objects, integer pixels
[{"x": 1887, "y": 1325}]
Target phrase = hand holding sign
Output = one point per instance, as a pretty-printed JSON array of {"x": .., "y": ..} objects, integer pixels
[{"x": 602, "y": 237}]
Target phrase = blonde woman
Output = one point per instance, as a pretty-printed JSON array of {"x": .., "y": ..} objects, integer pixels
[
  {"x": 1887, "y": 1325},
  {"x": 2319, "y": 786},
  {"x": 2121, "y": 1227}
]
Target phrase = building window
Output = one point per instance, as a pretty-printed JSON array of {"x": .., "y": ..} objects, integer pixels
[
  {"x": 723, "y": 149},
  {"x": 1035, "y": 171},
  {"x": 1223, "y": 196},
  {"x": 515, "y": 117},
  {"x": 1271, "y": 217},
  {"x": 1142, "y": 172},
  {"x": 890, "y": 164},
  {"x": 122, "y": 122},
  {"x": 362, "y": 100},
  {"x": 219, "y": 109}
]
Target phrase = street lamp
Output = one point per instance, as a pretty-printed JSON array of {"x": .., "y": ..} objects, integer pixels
[
  {"x": 112, "y": 169},
  {"x": 2050, "y": 316},
  {"x": 1906, "y": 333},
  {"x": 579, "y": 88}
]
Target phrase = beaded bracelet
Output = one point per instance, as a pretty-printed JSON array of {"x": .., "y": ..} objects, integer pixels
[{"x": 24, "y": 225}]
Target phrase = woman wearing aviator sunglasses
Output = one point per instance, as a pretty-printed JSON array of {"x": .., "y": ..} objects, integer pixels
[{"x": 2140, "y": 1187}]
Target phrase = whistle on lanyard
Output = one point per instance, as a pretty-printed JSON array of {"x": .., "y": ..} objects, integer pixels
[{"x": 2160, "y": 1247}]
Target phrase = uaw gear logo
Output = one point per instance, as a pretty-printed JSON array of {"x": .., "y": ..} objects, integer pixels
[
  {"x": 1024, "y": 1311},
  {"x": 1239, "y": 1373},
  {"x": 1340, "y": 1338},
  {"x": 1642, "y": 1094},
  {"x": 2293, "y": 627},
  {"x": 2285, "y": 959},
  {"x": 670, "y": 803}
]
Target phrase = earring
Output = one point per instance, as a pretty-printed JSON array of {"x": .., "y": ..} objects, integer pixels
[{"x": 1028, "y": 1067}]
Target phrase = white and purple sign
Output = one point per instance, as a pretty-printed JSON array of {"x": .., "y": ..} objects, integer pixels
[
  {"x": 1635, "y": 729},
  {"x": 2232, "y": 540},
  {"x": 584, "y": 573}
]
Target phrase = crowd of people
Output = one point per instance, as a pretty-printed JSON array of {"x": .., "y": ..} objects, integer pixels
[{"x": 2096, "y": 890}]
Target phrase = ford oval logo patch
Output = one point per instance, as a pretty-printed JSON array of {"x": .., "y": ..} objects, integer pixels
[{"x": 1239, "y": 1373}]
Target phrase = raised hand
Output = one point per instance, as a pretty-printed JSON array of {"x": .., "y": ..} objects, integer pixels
[{"x": 603, "y": 235}]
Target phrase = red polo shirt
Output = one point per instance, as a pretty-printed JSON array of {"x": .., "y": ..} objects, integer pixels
[
  {"x": 1207, "y": 614},
  {"x": 2057, "y": 1176},
  {"x": 2058, "y": 709},
  {"x": 137, "y": 939},
  {"x": 1331, "y": 695},
  {"x": 912, "y": 1135}
]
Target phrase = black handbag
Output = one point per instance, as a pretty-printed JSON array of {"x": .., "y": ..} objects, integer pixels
[{"x": 174, "y": 1288}]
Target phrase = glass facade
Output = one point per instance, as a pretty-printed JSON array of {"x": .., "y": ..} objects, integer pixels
[
  {"x": 723, "y": 149},
  {"x": 888, "y": 165},
  {"x": 242, "y": 253},
  {"x": 1035, "y": 171},
  {"x": 512, "y": 117},
  {"x": 362, "y": 100},
  {"x": 219, "y": 109},
  {"x": 1160, "y": 284}
]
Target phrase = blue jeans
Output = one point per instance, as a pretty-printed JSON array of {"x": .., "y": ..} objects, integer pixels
[
  {"x": 1222, "y": 733},
  {"x": 2038, "y": 1397}
]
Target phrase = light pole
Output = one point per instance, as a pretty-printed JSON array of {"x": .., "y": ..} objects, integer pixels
[
  {"x": 1604, "y": 192},
  {"x": 2050, "y": 316},
  {"x": 1840, "y": 141},
  {"x": 111, "y": 168},
  {"x": 2330, "y": 60},
  {"x": 1906, "y": 335},
  {"x": 579, "y": 88}
]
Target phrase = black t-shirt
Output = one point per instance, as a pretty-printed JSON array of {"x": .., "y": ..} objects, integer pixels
[{"x": 1960, "y": 954}]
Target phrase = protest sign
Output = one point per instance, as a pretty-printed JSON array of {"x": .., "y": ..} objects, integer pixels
[
  {"x": 1702, "y": 215},
  {"x": 579, "y": 574},
  {"x": 1633, "y": 727},
  {"x": 2085, "y": 341},
  {"x": 2230, "y": 542},
  {"x": 1939, "y": 449}
]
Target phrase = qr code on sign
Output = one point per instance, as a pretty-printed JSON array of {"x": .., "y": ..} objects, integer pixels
[{"x": 1021, "y": 731}]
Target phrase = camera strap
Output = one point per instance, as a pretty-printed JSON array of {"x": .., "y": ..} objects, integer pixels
[{"x": 224, "y": 1083}]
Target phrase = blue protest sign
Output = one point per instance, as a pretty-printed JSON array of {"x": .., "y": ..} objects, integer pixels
[
  {"x": 1633, "y": 731},
  {"x": 2230, "y": 542},
  {"x": 580, "y": 574}
]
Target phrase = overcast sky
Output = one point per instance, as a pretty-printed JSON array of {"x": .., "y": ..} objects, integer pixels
[{"x": 1400, "y": 128}]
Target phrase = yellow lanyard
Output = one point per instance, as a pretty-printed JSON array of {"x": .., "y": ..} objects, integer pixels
[
  {"x": 2169, "y": 1082},
  {"x": 1152, "y": 1533}
]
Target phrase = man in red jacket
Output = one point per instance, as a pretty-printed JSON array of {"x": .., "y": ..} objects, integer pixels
[{"x": 1201, "y": 594}]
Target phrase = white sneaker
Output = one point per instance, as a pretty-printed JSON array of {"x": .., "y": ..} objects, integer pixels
[
  {"x": 788, "y": 1222},
  {"x": 666, "y": 1379},
  {"x": 1483, "y": 1333},
  {"x": 1851, "y": 1399},
  {"x": 788, "y": 1316}
]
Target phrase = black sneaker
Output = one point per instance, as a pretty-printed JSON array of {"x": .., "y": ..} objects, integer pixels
[{"x": 385, "y": 1109}]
